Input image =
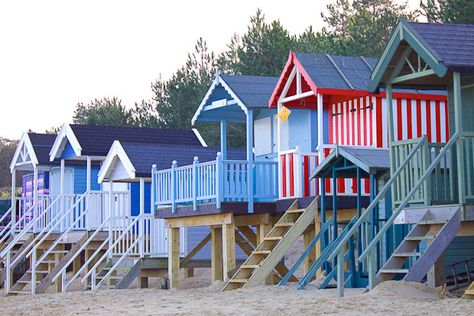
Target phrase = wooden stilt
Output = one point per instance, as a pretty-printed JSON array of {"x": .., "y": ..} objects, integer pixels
[
  {"x": 188, "y": 272},
  {"x": 262, "y": 231},
  {"x": 317, "y": 247},
  {"x": 76, "y": 264},
  {"x": 216, "y": 254},
  {"x": 143, "y": 282},
  {"x": 173, "y": 257},
  {"x": 228, "y": 258},
  {"x": 57, "y": 258}
]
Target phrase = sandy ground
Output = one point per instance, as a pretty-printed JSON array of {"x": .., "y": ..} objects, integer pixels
[{"x": 389, "y": 298}]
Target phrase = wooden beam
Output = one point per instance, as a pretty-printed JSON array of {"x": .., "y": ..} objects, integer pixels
[
  {"x": 412, "y": 76},
  {"x": 204, "y": 220},
  {"x": 184, "y": 262},
  {"x": 249, "y": 234},
  {"x": 308, "y": 236},
  {"x": 252, "y": 219},
  {"x": 216, "y": 254},
  {"x": 173, "y": 257},
  {"x": 228, "y": 242}
]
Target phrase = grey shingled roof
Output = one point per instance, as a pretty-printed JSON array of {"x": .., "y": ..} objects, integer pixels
[
  {"x": 42, "y": 144},
  {"x": 143, "y": 156},
  {"x": 453, "y": 43},
  {"x": 369, "y": 160},
  {"x": 253, "y": 91},
  {"x": 96, "y": 140},
  {"x": 338, "y": 72}
]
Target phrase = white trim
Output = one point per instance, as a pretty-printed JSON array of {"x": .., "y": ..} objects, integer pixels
[
  {"x": 287, "y": 85},
  {"x": 116, "y": 152},
  {"x": 217, "y": 80},
  {"x": 297, "y": 96},
  {"x": 65, "y": 132},
  {"x": 26, "y": 142},
  {"x": 199, "y": 136}
]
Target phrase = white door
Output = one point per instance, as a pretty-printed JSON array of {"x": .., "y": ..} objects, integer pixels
[{"x": 55, "y": 181}]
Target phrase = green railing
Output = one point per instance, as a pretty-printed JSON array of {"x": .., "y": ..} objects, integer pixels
[
  {"x": 467, "y": 143},
  {"x": 405, "y": 167}
]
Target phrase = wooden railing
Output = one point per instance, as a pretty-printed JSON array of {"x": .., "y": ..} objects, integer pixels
[
  {"x": 368, "y": 255},
  {"x": 467, "y": 143},
  {"x": 214, "y": 181}
]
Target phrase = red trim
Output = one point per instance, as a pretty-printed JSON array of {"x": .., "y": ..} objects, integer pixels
[
  {"x": 438, "y": 122},
  {"x": 274, "y": 97},
  {"x": 446, "y": 117},
  {"x": 428, "y": 120},
  {"x": 306, "y": 176},
  {"x": 409, "y": 118},
  {"x": 352, "y": 114},
  {"x": 418, "y": 119},
  {"x": 371, "y": 123},
  {"x": 292, "y": 175},
  {"x": 399, "y": 119},
  {"x": 378, "y": 119},
  {"x": 341, "y": 185},
  {"x": 395, "y": 95},
  {"x": 283, "y": 175},
  {"x": 367, "y": 185}
]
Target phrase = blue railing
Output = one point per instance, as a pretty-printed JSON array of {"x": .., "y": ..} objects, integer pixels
[{"x": 214, "y": 181}]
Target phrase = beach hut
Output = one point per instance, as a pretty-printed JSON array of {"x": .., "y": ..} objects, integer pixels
[
  {"x": 82, "y": 216},
  {"x": 430, "y": 182}
]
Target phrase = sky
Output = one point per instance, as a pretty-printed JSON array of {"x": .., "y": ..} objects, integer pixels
[{"x": 54, "y": 54}]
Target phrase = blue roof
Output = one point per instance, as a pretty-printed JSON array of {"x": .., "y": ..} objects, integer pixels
[
  {"x": 143, "y": 155},
  {"x": 42, "y": 144},
  {"x": 453, "y": 43},
  {"x": 253, "y": 91},
  {"x": 338, "y": 72},
  {"x": 96, "y": 140}
]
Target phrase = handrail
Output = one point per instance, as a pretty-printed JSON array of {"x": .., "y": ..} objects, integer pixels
[
  {"x": 114, "y": 267},
  {"x": 27, "y": 227},
  {"x": 376, "y": 200},
  {"x": 119, "y": 239},
  {"x": 56, "y": 242},
  {"x": 91, "y": 237},
  {"x": 18, "y": 223},
  {"x": 71, "y": 208},
  {"x": 6, "y": 214},
  {"x": 407, "y": 198}
]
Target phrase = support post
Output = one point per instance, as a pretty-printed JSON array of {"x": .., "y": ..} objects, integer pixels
[
  {"x": 391, "y": 133},
  {"x": 323, "y": 212},
  {"x": 320, "y": 135},
  {"x": 216, "y": 254},
  {"x": 219, "y": 180},
  {"x": 459, "y": 129},
  {"x": 224, "y": 139},
  {"x": 250, "y": 183},
  {"x": 195, "y": 182},
  {"x": 359, "y": 214},
  {"x": 141, "y": 229},
  {"x": 62, "y": 206},
  {"x": 340, "y": 272},
  {"x": 111, "y": 215},
  {"x": 88, "y": 194},
  {"x": 173, "y": 257},
  {"x": 35, "y": 197},
  {"x": 174, "y": 165},
  {"x": 154, "y": 186},
  {"x": 13, "y": 199},
  {"x": 334, "y": 202},
  {"x": 228, "y": 257}
]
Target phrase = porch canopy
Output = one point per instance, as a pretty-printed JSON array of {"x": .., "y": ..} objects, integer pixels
[
  {"x": 233, "y": 99},
  {"x": 427, "y": 56}
]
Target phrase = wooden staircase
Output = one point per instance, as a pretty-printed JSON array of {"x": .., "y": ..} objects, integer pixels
[
  {"x": 272, "y": 248},
  {"x": 437, "y": 231},
  {"x": 469, "y": 293},
  {"x": 122, "y": 276},
  {"x": 16, "y": 254}
]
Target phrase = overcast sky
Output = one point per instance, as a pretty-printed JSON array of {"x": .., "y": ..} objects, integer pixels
[{"x": 54, "y": 54}]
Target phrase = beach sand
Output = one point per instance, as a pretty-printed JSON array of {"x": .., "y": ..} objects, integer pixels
[{"x": 389, "y": 298}]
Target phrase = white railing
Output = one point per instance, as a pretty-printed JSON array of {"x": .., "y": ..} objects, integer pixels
[{"x": 122, "y": 239}]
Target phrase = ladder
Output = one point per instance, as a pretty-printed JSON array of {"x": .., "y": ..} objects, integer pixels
[
  {"x": 273, "y": 247},
  {"x": 437, "y": 233}
]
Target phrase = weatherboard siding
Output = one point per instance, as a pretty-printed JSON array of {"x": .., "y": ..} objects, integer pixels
[
  {"x": 80, "y": 179},
  {"x": 135, "y": 197}
]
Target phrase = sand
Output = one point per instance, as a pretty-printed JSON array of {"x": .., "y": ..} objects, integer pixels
[{"x": 389, "y": 298}]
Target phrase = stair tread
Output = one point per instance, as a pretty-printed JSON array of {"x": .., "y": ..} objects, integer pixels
[
  {"x": 469, "y": 292},
  {"x": 111, "y": 277},
  {"x": 426, "y": 237},
  {"x": 273, "y": 238},
  {"x": 407, "y": 254},
  {"x": 249, "y": 266},
  {"x": 300, "y": 210},
  {"x": 396, "y": 271},
  {"x": 261, "y": 252},
  {"x": 19, "y": 292},
  {"x": 284, "y": 224},
  {"x": 238, "y": 281}
]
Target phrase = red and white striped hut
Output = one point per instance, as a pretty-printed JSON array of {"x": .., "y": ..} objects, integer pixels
[{"x": 330, "y": 105}]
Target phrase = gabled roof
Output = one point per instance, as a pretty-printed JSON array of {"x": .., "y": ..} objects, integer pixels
[
  {"x": 33, "y": 148},
  {"x": 230, "y": 96},
  {"x": 137, "y": 158},
  {"x": 338, "y": 72},
  {"x": 452, "y": 43},
  {"x": 325, "y": 73},
  {"x": 95, "y": 140},
  {"x": 370, "y": 160}
]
